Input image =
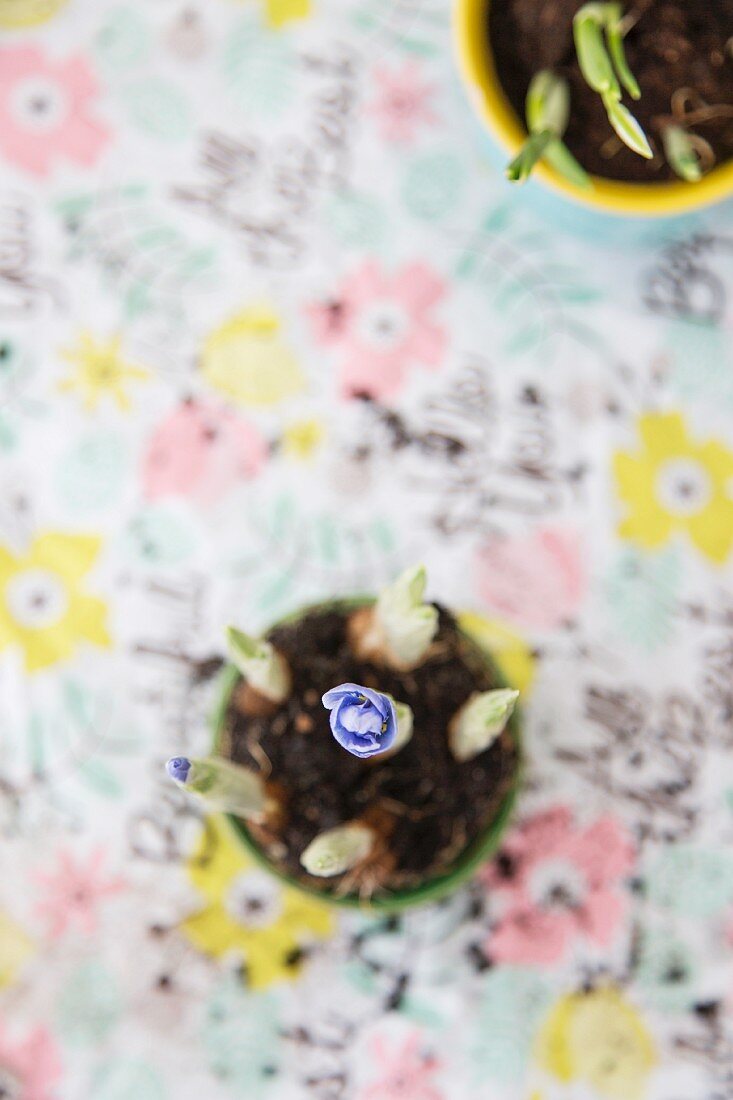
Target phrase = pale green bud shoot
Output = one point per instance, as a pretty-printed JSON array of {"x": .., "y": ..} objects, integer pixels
[
  {"x": 407, "y": 624},
  {"x": 519, "y": 169},
  {"x": 615, "y": 39},
  {"x": 405, "y": 722},
  {"x": 548, "y": 104},
  {"x": 595, "y": 63},
  {"x": 627, "y": 127},
  {"x": 338, "y": 850},
  {"x": 480, "y": 721},
  {"x": 224, "y": 787},
  {"x": 681, "y": 154},
  {"x": 598, "y": 29},
  {"x": 260, "y": 664},
  {"x": 547, "y": 109}
]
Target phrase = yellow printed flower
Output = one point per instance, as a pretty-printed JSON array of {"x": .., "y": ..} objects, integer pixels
[
  {"x": 43, "y": 608},
  {"x": 100, "y": 370},
  {"x": 247, "y": 360},
  {"x": 676, "y": 484},
  {"x": 512, "y": 654},
  {"x": 302, "y": 439},
  {"x": 28, "y": 13},
  {"x": 248, "y": 911},
  {"x": 15, "y": 949},
  {"x": 598, "y": 1038},
  {"x": 280, "y": 12}
]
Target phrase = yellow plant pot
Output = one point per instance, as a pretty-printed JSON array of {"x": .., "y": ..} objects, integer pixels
[{"x": 641, "y": 200}]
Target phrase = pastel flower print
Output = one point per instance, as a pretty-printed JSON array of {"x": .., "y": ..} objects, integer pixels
[
  {"x": 511, "y": 652},
  {"x": 557, "y": 884},
  {"x": 199, "y": 451},
  {"x": 15, "y": 950},
  {"x": 249, "y": 360},
  {"x": 402, "y": 106},
  {"x": 246, "y": 912},
  {"x": 100, "y": 370},
  {"x": 383, "y": 327},
  {"x": 302, "y": 439},
  {"x": 532, "y": 580},
  {"x": 676, "y": 483},
  {"x": 598, "y": 1038},
  {"x": 44, "y": 607},
  {"x": 45, "y": 110},
  {"x": 406, "y": 1071},
  {"x": 73, "y": 892},
  {"x": 28, "y": 13},
  {"x": 30, "y": 1066},
  {"x": 279, "y": 13}
]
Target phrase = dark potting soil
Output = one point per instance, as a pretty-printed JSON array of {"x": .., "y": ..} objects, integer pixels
[
  {"x": 674, "y": 44},
  {"x": 428, "y": 805}
]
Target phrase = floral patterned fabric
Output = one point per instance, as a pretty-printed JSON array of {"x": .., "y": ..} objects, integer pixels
[{"x": 272, "y": 326}]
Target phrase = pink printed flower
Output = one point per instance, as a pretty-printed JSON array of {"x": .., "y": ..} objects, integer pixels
[
  {"x": 384, "y": 326},
  {"x": 29, "y": 1069},
  {"x": 200, "y": 451},
  {"x": 406, "y": 1072},
  {"x": 44, "y": 110},
  {"x": 402, "y": 104},
  {"x": 74, "y": 891},
  {"x": 557, "y": 884},
  {"x": 532, "y": 580}
]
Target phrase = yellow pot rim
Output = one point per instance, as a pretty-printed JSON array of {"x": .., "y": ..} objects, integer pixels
[{"x": 643, "y": 200}]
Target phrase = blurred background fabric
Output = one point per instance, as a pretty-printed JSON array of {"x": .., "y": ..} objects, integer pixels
[{"x": 272, "y": 326}]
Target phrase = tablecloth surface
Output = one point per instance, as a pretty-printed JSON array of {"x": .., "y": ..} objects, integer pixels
[{"x": 273, "y": 327}]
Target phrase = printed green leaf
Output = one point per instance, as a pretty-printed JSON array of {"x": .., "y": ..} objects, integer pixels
[{"x": 100, "y": 779}]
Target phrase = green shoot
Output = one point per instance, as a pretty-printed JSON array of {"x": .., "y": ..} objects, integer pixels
[
  {"x": 338, "y": 850},
  {"x": 627, "y": 128},
  {"x": 547, "y": 106},
  {"x": 519, "y": 169},
  {"x": 615, "y": 40},
  {"x": 562, "y": 160},
  {"x": 547, "y": 109},
  {"x": 681, "y": 154},
  {"x": 598, "y": 33},
  {"x": 593, "y": 58}
]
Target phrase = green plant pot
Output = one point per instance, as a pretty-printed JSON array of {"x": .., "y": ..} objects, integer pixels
[{"x": 477, "y": 852}]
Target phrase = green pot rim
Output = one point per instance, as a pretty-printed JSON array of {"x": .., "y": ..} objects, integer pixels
[{"x": 473, "y": 855}]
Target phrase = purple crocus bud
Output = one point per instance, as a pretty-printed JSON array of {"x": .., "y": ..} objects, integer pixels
[
  {"x": 364, "y": 722},
  {"x": 178, "y": 768}
]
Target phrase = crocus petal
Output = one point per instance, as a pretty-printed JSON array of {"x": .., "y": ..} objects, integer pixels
[
  {"x": 357, "y": 744},
  {"x": 335, "y": 695},
  {"x": 363, "y": 721},
  {"x": 381, "y": 702},
  {"x": 358, "y": 718}
]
